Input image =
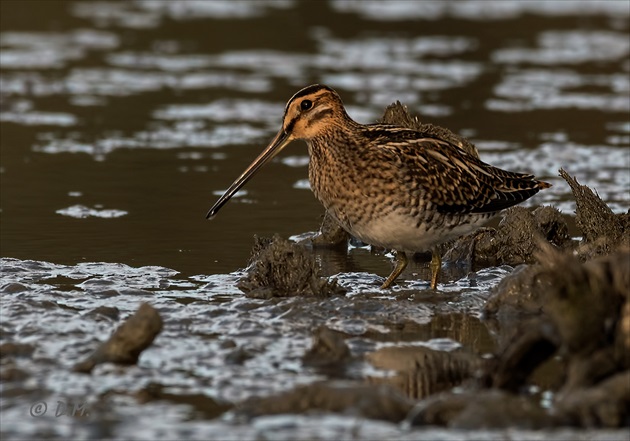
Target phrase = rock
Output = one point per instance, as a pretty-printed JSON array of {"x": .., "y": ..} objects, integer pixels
[{"x": 128, "y": 341}]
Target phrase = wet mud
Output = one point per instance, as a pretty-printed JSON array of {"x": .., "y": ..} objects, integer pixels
[{"x": 567, "y": 299}]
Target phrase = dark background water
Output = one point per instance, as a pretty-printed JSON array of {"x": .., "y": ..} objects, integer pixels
[
  {"x": 153, "y": 108},
  {"x": 122, "y": 122}
]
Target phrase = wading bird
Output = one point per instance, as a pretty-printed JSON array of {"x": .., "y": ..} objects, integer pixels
[{"x": 390, "y": 186}]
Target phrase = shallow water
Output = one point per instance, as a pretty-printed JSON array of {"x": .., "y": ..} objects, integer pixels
[{"x": 120, "y": 123}]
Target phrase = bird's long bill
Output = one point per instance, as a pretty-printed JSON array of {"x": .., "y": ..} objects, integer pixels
[{"x": 278, "y": 143}]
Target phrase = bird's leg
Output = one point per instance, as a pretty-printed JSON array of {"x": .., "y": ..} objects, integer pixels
[
  {"x": 436, "y": 266},
  {"x": 401, "y": 264}
]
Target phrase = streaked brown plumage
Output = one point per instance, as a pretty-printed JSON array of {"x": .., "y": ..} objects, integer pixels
[{"x": 390, "y": 186}]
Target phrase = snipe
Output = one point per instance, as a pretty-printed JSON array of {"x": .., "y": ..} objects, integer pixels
[{"x": 390, "y": 186}]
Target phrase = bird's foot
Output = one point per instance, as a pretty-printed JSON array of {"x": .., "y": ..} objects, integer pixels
[{"x": 401, "y": 264}]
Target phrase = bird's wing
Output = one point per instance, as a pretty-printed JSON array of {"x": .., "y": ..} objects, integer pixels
[{"x": 453, "y": 180}]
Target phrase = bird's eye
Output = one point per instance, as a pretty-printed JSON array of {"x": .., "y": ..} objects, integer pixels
[{"x": 306, "y": 104}]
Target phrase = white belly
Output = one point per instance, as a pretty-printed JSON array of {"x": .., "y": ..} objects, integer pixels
[{"x": 398, "y": 231}]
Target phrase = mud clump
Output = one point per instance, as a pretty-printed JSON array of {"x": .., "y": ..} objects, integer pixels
[
  {"x": 16, "y": 350},
  {"x": 575, "y": 305},
  {"x": 606, "y": 405},
  {"x": 362, "y": 400},
  {"x": 128, "y": 341},
  {"x": 482, "y": 409},
  {"x": 279, "y": 268},
  {"x": 580, "y": 312},
  {"x": 329, "y": 349},
  {"x": 9, "y": 367},
  {"x": 203, "y": 404},
  {"x": 602, "y": 230},
  {"x": 330, "y": 234},
  {"x": 581, "y": 318},
  {"x": 515, "y": 240}
]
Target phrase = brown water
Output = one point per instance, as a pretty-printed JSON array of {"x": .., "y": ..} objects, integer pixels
[{"x": 122, "y": 122}]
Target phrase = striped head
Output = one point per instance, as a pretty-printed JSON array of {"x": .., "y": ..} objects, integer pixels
[
  {"x": 311, "y": 111},
  {"x": 308, "y": 114}
]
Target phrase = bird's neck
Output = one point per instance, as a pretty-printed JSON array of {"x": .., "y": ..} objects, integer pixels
[{"x": 334, "y": 155}]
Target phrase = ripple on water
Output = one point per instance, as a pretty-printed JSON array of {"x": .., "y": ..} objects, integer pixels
[
  {"x": 35, "y": 118},
  {"x": 51, "y": 50},
  {"x": 99, "y": 82},
  {"x": 163, "y": 62},
  {"x": 21, "y": 111},
  {"x": 569, "y": 47},
  {"x": 371, "y": 52},
  {"x": 152, "y": 13},
  {"x": 603, "y": 168},
  {"x": 82, "y": 212},
  {"x": 533, "y": 89},
  {"x": 159, "y": 137},
  {"x": 223, "y": 110},
  {"x": 391, "y": 10}
]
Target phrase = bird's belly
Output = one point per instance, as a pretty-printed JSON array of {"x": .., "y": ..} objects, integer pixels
[{"x": 402, "y": 232}]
